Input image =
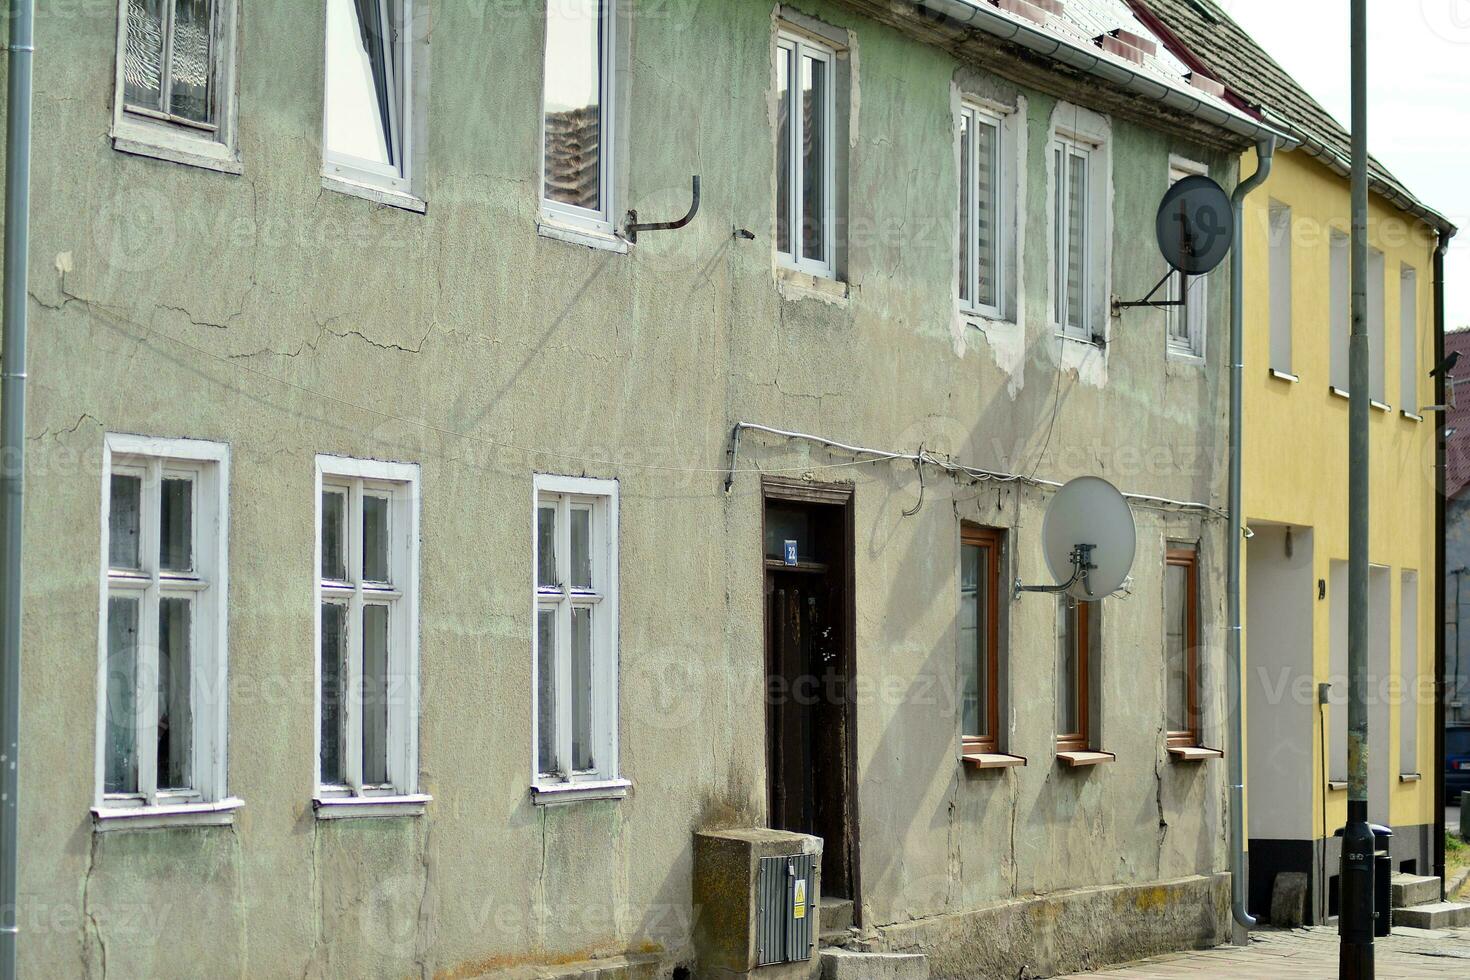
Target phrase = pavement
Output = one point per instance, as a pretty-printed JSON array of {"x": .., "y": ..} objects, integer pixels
[{"x": 1309, "y": 954}]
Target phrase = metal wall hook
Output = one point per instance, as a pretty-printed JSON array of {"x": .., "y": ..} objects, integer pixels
[{"x": 631, "y": 225}]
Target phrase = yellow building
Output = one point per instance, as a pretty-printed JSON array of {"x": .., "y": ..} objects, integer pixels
[{"x": 1296, "y": 314}]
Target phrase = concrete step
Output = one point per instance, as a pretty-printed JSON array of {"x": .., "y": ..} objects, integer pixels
[
  {"x": 639, "y": 967},
  {"x": 1414, "y": 890},
  {"x": 837, "y": 917},
  {"x": 843, "y": 964},
  {"x": 1434, "y": 915}
]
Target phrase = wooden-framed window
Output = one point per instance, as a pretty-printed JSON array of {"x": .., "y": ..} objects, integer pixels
[
  {"x": 1078, "y": 630},
  {"x": 979, "y": 637},
  {"x": 575, "y": 639},
  {"x": 1181, "y": 646},
  {"x": 367, "y": 636},
  {"x": 161, "y": 645}
]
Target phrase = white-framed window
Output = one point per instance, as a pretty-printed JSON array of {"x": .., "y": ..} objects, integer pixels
[
  {"x": 1409, "y": 339},
  {"x": 1340, "y": 307},
  {"x": 175, "y": 85},
  {"x": 373, "y": 101},
  {"x": 1409, "y": 672},
  {"x": 1279, "y": 234},
  {"x": 161, "y": 643},
  {"x": 578, "y": 115},
  {"x": 1076, "y": 237},
  {"x": 1186, "y": 325},
  {"x": 806, "y": 83},
  {"x": 367, "y": 692},
  {"x": 986, "y": 227},
  {"x": 1377, "y": 327},
  {"x": 574, "y": 637}
]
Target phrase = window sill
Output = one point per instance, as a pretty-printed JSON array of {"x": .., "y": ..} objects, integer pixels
[
  {"x": 1381, "y": 406},
  {"x": 163, "y": 143},
  {"x": 991, "y": 760},
  {"x": 1093, "y": 341},
  {"x": 1086, "y": 758},
  {"x": 793, "y": 284},
  {"x": 1286, "y": 376},
  {"x": 547, "y": 227},
  {"x": 1411, "y": 416},
  {"x": 1193, "y": 753},
  {"x": 1410, "y": 777},
  {"x": 349, "y": 807},
  {"x": 553, "y": 793},
  {"x": 1181, "y": 356},
  {"x": 1337, "y": 785},
  {"x": 110, "y": 818},
  {"x": 1339, "y": 392},
  {"x": 985, "y": 319},
  {"x": 378, "y": 195}
]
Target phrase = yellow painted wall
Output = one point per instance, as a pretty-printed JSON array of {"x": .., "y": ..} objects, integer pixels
[{"x": 1295, "y": 465}]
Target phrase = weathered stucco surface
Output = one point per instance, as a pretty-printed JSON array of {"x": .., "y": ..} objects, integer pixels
[{"x": 287, "y": 320}]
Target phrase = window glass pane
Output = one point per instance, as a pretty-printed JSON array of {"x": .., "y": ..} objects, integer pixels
[
  {"x": 361, "y": 90},
  {"x": 1059, "y": 234},
  {"x": 581, "y": 547},
  {"x": 375, "y": 539},
  {"x": 987, "y": 169},
  {"x": 582, "y": 690},
  {"x": 1077, "y": 241},
  {"x": 1176, "y": 646},
  {"x": 334, "y": 528},
  {"x": 814, "y": 82},
  {"x": 176, "y": 526},
  {"x": 1068, "y": 717},
  {"x": 970, "y": 649},
  {"x": 784, "y": 182},
  {"x": 143, "y": 54},
  {"x": 965, "y": 206},
  {"x": 334, "y": 671},
  {"x": 573, "y": 103},
  {"x": 546, "y": 547},
  {"x": 375, "y": 689},
  {"x": 123, "y": 522},
  {"x": 120, "y": 739},
  {"x": 175, "y": 701},
  {"x": 191, "y": 78},
  {"x": 546, "y": 690}
]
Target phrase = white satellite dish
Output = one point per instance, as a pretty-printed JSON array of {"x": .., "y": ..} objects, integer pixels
[{"x": 1088, "y": 538}]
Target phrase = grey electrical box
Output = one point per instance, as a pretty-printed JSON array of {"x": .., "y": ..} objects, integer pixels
[{"x": 785, "y": 909}]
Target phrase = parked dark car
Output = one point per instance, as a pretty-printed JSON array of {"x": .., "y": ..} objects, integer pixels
[{"x": 1456, "y": 762}]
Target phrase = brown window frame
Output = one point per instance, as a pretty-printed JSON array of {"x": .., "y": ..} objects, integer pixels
[
  {"x": 1188, "y": 559},
  {"x": 993, "y": 541},
  {"x": 1080, "y": 741}
]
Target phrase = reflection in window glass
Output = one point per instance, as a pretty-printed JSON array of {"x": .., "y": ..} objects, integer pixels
[
  {"x": 784, "y": 57},
  {"x": 334, "y": 670},
  {"x": 362, "y": 83},
  {"x": 546, "y": 547},
  {"x": 581, "y": 547},
  {"x": 582, "y": 690},
  {"x": 175, "y": 701},
  {"x": 971, "y": 655},
  {"x": 124, "y": 522},
  {"x": 546, "y": 691},
  {"x": 334, "y": 529},
  {"x": 168, "y": 59},
  {"x": 176, "y": 526},
  {"x": 814, "y": 165},
  {"x": 1176, "y": 644},
  {"x": 573, "y": 103},
  {"x": 1069, "y": 715},
  {"x": 375, "y": 539},
  {"x": 965, "y": 206},
  {"x": 120, "y": 739},
  {"x": 376, "y": 686}
]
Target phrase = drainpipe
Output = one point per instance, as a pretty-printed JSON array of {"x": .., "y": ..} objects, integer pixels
[
  {"x": 1265, "y": 153},
  {"x": 12, "y": 450},
  {"x": 1439, "y": 563}
]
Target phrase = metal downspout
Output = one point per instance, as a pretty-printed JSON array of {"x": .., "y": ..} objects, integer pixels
[
  {"x": 1439, "y": 563},
  {"x": 12, "y": 451},
  {"x": 1265, "y": 154}
]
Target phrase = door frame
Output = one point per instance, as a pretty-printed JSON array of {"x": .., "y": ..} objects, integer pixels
[{"x": 831, "y": 495}]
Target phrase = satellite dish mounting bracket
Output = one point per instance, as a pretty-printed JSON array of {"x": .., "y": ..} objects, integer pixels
[
  {"x": 1120, "y": 305},
  {"x": 1081, "y": 566}
]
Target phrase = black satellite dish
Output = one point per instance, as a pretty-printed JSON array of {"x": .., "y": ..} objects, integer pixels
[{"x": 1195, "y": 226}]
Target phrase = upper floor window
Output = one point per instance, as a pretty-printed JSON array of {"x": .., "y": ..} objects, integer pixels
[
  {"x": 371, "y": 105},
  {"x": 1078, "y": 235},
  {"x": 1186, "y": 323},
  {"x": 1279, "y": 268},
  {"x": 175, "y": 81},
  {"x": 574, "y": 639},
  {"x": 577, "y": 117},
  {"x": 805, "y": 152},
  {"x": 986, "y": 225},
  {"x": 1409, "y": 339},
  {"x": 1181, "y": 646},
  {"x": 980, "y": 605},
  {"x": 367, "y": 632},
  {"x": 1078, "y": 635},
  {"x": 160, "y": 732},
  {"x": 1339, "y": 309}
]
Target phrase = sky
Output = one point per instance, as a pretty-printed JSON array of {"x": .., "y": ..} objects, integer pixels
[{"x": 1418, "y": 96}]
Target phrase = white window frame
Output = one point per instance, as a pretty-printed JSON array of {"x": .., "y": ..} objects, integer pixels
[
  {"x": 602, "y": 222},
  {"x": 801, "y": 46},
  {"x": 975, "y": 113},
  {"x": 1279, "y": 242},
  {"x": 208, "y": 465},
  {"x": 1194, "y": 314},
  {"x": 604, "y": 781},
  {"x": 1070, "y": 145},
  {"x": 400, "y": 186},
  {"x": 147, "y": 133},
  {"x": 399, "y": 482}
]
